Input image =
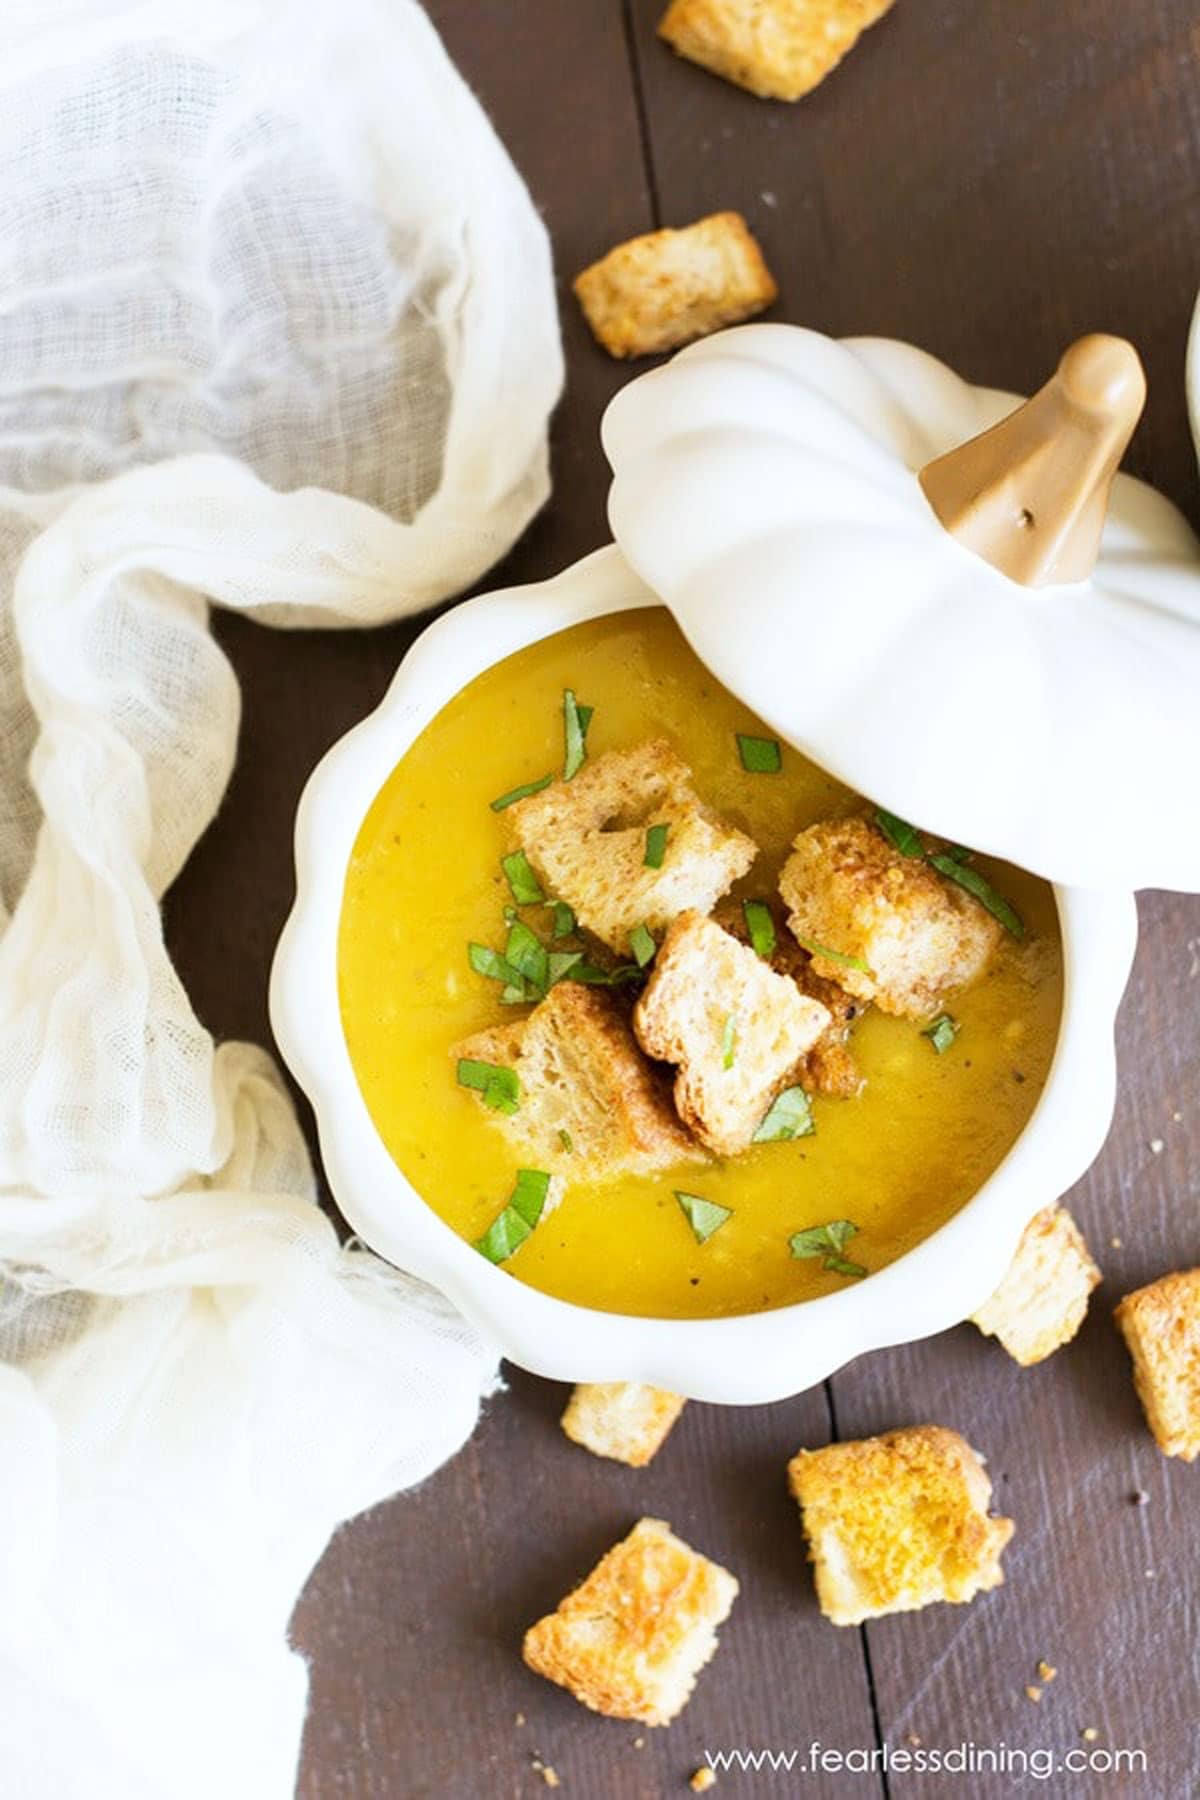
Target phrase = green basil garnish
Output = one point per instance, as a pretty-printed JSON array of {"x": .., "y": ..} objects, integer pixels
[
  {"x": 905, "y": 838},
  {"x": 656, "y": 846},
  {"x": 760, "y": 756},
  {"x": 642, "y": 944},
  {"x": 509, "y": 1230},
  {"x": 500, "y": 1087},
  {"x": 704, "y": 1216},
  {"x": 729, "y": 1042},
  {"x": 942, "y": 1032},
  {"x": 521, "y": 793},
  {"x": 576, "y": 720},
  {"x": 956, "y": 870},
  {"x": 827, "y": 1242},
  {"x": 789, "y": 1116},
  {"x": 564, "y": 920},
  {"x": 834, "y": 956},
  {"x": 524, "y": 884},
  {"x": 761, "y": 927}
]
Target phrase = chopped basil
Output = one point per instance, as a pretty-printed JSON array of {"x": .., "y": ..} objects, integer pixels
[
  {"x": 656, "y": 846},
  {"x": 593, "y": 976},
  {"x": 956, "y": 870},
  {"x": 486, "y": 961},
  {"x": 561, "y": 962},
  {"x": 566, "y": 1140},
  {"x": 760, "y": 756},
  {"x": 942, "y": 1032},
  {"x": 526, "y": 953},
  {"x": 525, "y": 886},
  {"x": 576, "y": 720},
  {"x": 500, "y": 1087},
  {"x": 521, "y": 793},
  {"x": 704, "y": 1216},
  {"x": 789, "y": 1116},
  {"x": 899, "y": 832},
  {"x": 729, "y": 1042},
  {"x": 761, "y": 927},
  {"x": 641, "y": 942},
  {"x": 510, "y": 1228},
  {"x": 834, "y": 956},
  {"x": 827, "y": 1242},
  {"x": 564, "y": 920}
]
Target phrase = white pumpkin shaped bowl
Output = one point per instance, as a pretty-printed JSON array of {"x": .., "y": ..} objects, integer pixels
[{"x": 784, "y": 495}]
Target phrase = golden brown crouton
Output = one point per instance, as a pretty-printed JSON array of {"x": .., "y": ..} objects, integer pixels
[
  {"x": 624, "y": 1420},
  {"x": 778, "y": 49},
  {"x": 901, "y": 935},
  {"x": 631, "y": 1640},
  {"x": 581, "y": 1074},
  {"x": 829, "y": 1067},
  {"x": 1161, "y": 1325},
  {"x": 735, "y": 1029},
  {"x": 898, "y": 1521},
  {"x": 668, "y": 287},
  {"x": 586, "y": 838},
  {"x": 1040, "y": 1304}
]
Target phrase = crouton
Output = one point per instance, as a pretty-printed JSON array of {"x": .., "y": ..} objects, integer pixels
[
  {"x": 1040, "y": 1304},
  {"x": 778, "y": 49},
  {"x": 586, "y": 838},
  {"x": 624, "y": 1420},
  {"x": 1161, "y": 1325},
  {"x": 632, "y": 1639},
  {"x": 666, "y": 288},
  {"x": 901, "y": 934},
  {"x": 734, "y": 1028},
  {"x": 896, "y": 1522},
  {"x": 829, "y": 1067},
  {"x": 589, "y": 1103}
]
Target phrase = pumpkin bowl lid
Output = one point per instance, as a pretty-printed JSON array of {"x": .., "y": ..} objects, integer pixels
[{"x": 944, "y": 596}]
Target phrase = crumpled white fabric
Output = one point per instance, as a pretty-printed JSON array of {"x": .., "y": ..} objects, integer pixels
[{"x": 287, "y": 234}]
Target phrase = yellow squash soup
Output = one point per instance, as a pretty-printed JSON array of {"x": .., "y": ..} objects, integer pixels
[{"x": 424, "y": 879}]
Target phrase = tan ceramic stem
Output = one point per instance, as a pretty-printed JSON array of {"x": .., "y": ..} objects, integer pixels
[{"x": 1030, "y": 495}]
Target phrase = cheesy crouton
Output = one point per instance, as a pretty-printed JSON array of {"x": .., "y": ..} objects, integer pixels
[
  {"x": 589, "y": 1103},
  {"x": 902, "y": 935},
  {"x": 897, "y": 1522},
  {"x": 586, "y": 838},
  {"x": 1161, "y": 1325},
  {"x": 734, "y": 1028},
  {"x": 1040, "y": 1304},
  {"x": 665, "y": 288},
  {"x": 624, "y": 1420},
  {"x": 829, "y": 1067},
  {"x": 778, "y": 49},
  {"x": 632, "y": 1639}
]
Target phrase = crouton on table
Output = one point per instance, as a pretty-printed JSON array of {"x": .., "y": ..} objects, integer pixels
[
  {"x": 581, "y": 1074},
  {"x": 735, "y": 1029},
  {"x": 1041, "y": 1303},
  {"x": 778, "y": 49},
  {"x": 896, "y": 1522},
  {"x": 631, "y": 1640},
  {"x": 829, "y": 1067},
  {"x": 586, "y": 838},
  {"x": 624, "y": 1420},
  {"x": 1161, "y": 1325},
  {"x": 667, "y": 287},
  {"x": 902, "y": 935}
]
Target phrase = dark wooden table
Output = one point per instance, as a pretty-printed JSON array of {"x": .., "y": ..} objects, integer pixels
[{"x": 988, "y": 178}]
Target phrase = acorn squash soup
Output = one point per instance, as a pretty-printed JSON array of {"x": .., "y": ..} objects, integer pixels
[{"x": 660, "y": 1017}]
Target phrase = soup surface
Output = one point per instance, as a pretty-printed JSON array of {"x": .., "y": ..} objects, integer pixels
[{"x": 424, "y": 879}]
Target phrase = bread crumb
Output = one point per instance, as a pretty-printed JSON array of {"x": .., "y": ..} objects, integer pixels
[
  {"x": 1150, "y": 1574},
  {"x": 914, "y": 1740},
  {"x": 639, "y": 1743},
  {"x": 1115, "y": 1243},
  {"x": 1089, "y": 1734},
  {"x": 1033, "y": 1693},
  {"x": 520, "y": 1719},
  {"x": 1177, "y": 1116},
  {"x": 703, "y": 1780},
  {"x": 1156, "y": 1146},
  {"x": 550, "y": 1777},
  {"x": 1046, "y": 1671}
]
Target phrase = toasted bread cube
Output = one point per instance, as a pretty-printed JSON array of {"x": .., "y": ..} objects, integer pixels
[
  {"x": 910, "y": 935},
  {"x": 1040, "y": 1304},
  {"x": 829, "y": 1067},
  {"x": 778, "y": 49},
  {"x": 1161, "y": 1325},
  {"x": 666, "y": 288},
  {"x": 624, "y": 1420},
  {"x": 632, "y": 1639},
  {"x": 897, "y": 1522},
  {"x": 586, "y": 839},
  {"x": 734, "y": 1028},
  {"x": 581, "y": 1073}
]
